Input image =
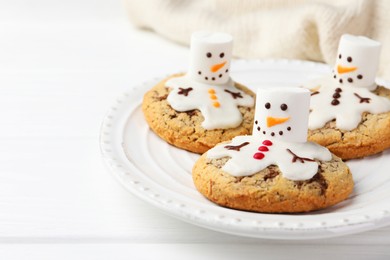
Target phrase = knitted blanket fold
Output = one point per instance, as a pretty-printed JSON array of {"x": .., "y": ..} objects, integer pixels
[{"x": 292, "y": 29}]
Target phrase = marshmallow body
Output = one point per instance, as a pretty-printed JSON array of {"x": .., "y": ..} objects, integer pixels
[
  {"x": 357, "y": 61},
  {"x": 210, "y": 57},
  {"x": 282, "y": 113}
]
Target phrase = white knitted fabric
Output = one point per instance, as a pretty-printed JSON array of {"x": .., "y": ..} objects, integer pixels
[{"x": 294, "y": 29}]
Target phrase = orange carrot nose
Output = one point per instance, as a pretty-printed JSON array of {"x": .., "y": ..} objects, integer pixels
[
  {"x": 272, "y": 121},
  {"x": 217, "y": 67},
  {"x": 342, "y": 69}
]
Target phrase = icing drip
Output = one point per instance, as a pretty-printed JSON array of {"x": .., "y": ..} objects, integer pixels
[
  {"x": 217, "y": 103},
  {"x": 343, "y": 103},
  {"x": 295, "y": 160}
]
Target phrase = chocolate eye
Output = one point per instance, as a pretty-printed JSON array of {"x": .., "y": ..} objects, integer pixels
[
  {"x": 222, "y": 55},
  {"x": 349, "y": 59},
  {"x": 339, "y": 56},
  {"x": 267, "y": 105},
  {"x": 283, "y": 107},
  {"x": 208, "y": 55}
]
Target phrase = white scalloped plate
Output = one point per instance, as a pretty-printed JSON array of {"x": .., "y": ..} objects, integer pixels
[{"x": 161, "y": 174}]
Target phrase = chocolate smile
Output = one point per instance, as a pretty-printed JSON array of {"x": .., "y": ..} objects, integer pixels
[
  {"x": 213, "y": 78},
  {"x": 272, "y": 133}
]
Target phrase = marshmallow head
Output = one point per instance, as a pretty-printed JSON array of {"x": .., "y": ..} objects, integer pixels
[
  {"x": 210, "y": 57},
  {"x": 282, "y": 113},
  {"x": 357, "y": 61}
]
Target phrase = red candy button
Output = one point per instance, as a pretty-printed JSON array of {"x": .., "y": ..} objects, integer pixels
[
  {"x": 263, "y": 149},
  {"x": 258, "y": 156},
  {"x": 267, "y": 142}
]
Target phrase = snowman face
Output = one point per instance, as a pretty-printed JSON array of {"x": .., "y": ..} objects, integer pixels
[
  {"x": 210, "y": 57},
  {"x": 282, "y": 113},
  {"x": 357, "y": 61}
]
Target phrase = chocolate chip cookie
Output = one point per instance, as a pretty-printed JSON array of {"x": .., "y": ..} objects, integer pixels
[
  {"x": 370, "y": 137},
  {"x": 268, "y": 191},
  {"x": 184, "y": 129}
]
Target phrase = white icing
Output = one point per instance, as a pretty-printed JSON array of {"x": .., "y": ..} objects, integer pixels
[
  {"x": 348, "y": 113},
  {"x": 289, "y": 106},
  {"x": 354, "y": 73},
  {"x": 357, "y": 61},
  {"x": 210, "y": 56},
  {"x": 226, "y": 115},
  {"x": 249, "y": 158},
  {"x": 243, "y": 163},
  {"x": 208, "y": 85}
]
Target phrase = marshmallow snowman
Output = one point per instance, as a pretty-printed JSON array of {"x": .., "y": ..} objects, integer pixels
[
  {"x": 282, "y": 113},
  {"x": 210, "y": 57},
  {"x": 357, "y": 61},
  {"x": 279, "y": 138},
  {"x": 344, "y": 104},
  {"x": 347, "y": 93},
  {"x": 207, "y": 85}
]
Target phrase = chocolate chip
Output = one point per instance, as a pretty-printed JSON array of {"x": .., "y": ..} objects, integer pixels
[
  {"x": 320, "y": 181},
  {"x": 335, "y": 102},
  {"x": 267, "y": 105},
  {"x": 272, "y": 174},
  {"x": 208, "y": 55},
  {"x": 359, "y": 76},
  {"x": 336, "y": 95},
  {"x": 283, "y": 107},
  {"x": 349, "y": 59},
  {"x": 350, "y": 80},
  {"x": 191, "y": 113},
  {"x": 162, "y": 97}
]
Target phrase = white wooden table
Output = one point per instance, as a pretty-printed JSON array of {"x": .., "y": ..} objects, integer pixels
[{"x": 62, "y": 63}]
